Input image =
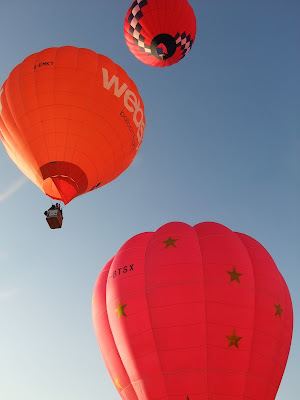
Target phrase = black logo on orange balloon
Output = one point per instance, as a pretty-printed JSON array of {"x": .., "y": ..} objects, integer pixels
[{"x": 43, "y": 64}]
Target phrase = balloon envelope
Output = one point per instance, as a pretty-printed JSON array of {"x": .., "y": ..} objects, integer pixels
[
  {"x": 193, "y": 313},
  {"x": 71, "y": 120},
  {"x": 160, "y": 33}
]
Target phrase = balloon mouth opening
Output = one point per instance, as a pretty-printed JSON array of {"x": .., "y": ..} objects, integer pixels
[
  {"x": 62, "y": 180},
  {"x": 61, "y": 188},
  {"x": 163, "y": 46}
]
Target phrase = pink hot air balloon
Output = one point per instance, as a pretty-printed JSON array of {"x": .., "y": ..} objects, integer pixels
[
  {"x": 193, "y": 313},
  {"x": 160, "y": 32}
]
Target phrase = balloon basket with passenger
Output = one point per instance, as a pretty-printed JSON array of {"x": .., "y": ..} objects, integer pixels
[{"x": 54, "y": 216}]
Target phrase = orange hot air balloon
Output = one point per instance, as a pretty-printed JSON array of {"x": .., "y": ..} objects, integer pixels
[
  {"x": 160, "y": 32},
  {"x": 193, "y": 313},
  {"x": 71, "y": 120}
]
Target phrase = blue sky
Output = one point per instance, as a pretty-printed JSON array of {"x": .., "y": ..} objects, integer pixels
[{"x": 221, "y": 144}]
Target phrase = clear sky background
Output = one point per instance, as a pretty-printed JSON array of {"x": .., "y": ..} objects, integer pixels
[{"x": 222, "y": 143}]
